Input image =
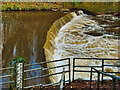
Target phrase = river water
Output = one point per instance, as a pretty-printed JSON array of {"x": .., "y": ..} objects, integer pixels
[
  {"x": 24, "y": 34},
  {"x": 88, "y": 36}
]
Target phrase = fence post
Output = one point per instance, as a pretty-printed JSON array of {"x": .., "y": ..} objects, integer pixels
[
  {"x": 73, "y": 68},
  {"x": 69, "y": 71},
  {"x": 113, "y": 84},
  {"x": 19, "y": 76},
  {"x": 10, "y": 78},
  {"x": 64, "y": 77},
  {"x": 18, "y": 73},
  {"x": 98, "y": 79},
  {"x": 62, "y": 81},
  {"x": 102, "y": 69},
  {"x": 91, "y": 77}
]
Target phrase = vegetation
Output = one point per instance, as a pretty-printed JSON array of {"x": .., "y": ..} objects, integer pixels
[
  {"x": 14, "y": 63},
  {"x": 28, "y": 6},
  {"x": 96, "y": 7}
]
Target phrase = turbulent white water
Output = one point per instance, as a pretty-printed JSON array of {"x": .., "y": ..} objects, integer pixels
[{"x": 72, "y": 41}]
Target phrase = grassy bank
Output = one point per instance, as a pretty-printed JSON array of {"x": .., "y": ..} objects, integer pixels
[
  {"x": 95, "y": 7},
  {"x": 29, "y": 6}
]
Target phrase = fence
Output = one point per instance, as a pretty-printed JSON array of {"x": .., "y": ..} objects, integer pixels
[
  {"x": 9, "y": 76},
  {"x": 112, "y": 76},
  {"x": 102, "y": 66},
  {"x": 18, "y": 71}
]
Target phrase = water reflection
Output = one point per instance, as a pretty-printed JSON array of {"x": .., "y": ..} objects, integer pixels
[{"x": 25, "y": 35}]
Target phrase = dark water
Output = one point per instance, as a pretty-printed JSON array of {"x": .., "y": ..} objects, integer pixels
[{"x": 24, "y": 36}]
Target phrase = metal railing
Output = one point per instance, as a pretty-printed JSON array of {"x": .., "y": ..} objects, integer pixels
[
  {"x": 62, "y": 81},
  {"x": 102, "y": 66},
  {"x": 56, "y": 73},
  {"x": 6, "y": 76},
  {"x": 44, "y": 69},
  {"x": 99, "y": 72}
]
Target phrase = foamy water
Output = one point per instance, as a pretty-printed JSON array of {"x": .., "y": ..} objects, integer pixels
[{"x": 72, "y": 41}]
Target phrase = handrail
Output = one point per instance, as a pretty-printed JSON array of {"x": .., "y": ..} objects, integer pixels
[
  {"x": 103, "y": 73},
  {"x": 44, "y": 75},
  {"x": 99, "y": 58},
  {"x": 112, "y": 76},
  {"x": 43, "y": 69},
  {"x": 6, "y": 76},
  {"x": 102, "y": 66},
  {"x": 5, "y": 68},
  {"x": 6, "y": 82},
  {"x": 47, "y": 62},
  {"x": 62, "y": 81},
  {"x": 65, "y": 65}
]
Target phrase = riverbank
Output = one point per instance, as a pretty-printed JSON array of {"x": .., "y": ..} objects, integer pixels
[{"x": 88, "y": 7}]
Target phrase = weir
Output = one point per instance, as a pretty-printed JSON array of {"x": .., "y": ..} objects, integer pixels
[
  {"x": 50, "y": 41},
  {"x": 67, "y": 38}
]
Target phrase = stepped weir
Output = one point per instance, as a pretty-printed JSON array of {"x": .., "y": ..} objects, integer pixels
[
  {"x": 70, "y": 37},
  {"x": 50, "y": 41}
]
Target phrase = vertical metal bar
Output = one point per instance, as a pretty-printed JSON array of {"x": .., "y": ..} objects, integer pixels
[
  {"x": 73, "y": 68},
  {"x": 64, "y": 77},
  {"x": 10, "y": 78},
  {"x": 40, "y": 79},
  {"x": 91, "y": 77},
  {"x": 98, "y": 79},
  {"x": 62, "y": 81},
  {"x": 102, "y": 69},
  {"x": 113, "y": 84},
  {"x": 41, "y": 86},
  {"x": 69, "y": 71}
]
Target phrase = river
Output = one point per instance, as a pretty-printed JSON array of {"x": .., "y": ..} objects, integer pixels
[
  {"x": 86, "y": 36},
  {"x": 24, "y": 34}
]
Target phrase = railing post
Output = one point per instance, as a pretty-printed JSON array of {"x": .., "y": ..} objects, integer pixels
[
  {"x": 73, "y": 68},
  {"x": 113, "y": 84},
  {"x": 91, "y": 77},
  {"x": 98, "y": 79},
  {"x": 102, "y": 69},
  {"x": 19, "y": 76},
  {"x": 69, "y": 71},
  {"x": 10, "y": 78},
  {"x": 64, "y": 77},
  {"x": 18, "y": 73},
  {"x": 62, "y": 81},
  {"x": 41, "y": 86}
]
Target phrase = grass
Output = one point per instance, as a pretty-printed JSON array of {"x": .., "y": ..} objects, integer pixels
[
  {"x": 96, "y": 7},
  {"x": 28, "y": 6}
]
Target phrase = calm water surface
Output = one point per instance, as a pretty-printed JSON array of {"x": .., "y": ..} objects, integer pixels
[{"x": 24, "y": 34}]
